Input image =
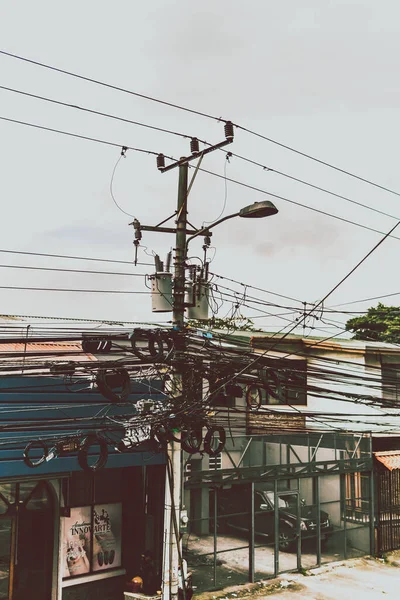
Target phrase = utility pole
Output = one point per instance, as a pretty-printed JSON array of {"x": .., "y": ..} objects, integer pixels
[
  {"x": 172, "y": 560},
  {"x": 174, "y": 468}
]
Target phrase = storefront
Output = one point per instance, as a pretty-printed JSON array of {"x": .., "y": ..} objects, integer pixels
[{"x": 68, "y": 533}]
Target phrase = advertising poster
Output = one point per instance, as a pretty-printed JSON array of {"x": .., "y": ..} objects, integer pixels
[
  {"x": 107, "y": 520},
  {"x": 76, "y": 542}
]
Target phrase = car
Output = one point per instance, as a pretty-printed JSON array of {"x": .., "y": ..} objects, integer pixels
[{"x": 233, "y": 514}]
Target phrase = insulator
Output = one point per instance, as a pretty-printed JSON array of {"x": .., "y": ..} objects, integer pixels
[
  {"x": 194, "y": 146},
  {"x": 160, "y": 161},
  {"x": 229, "y": 133},
  {"x": 168, "y": 262},
  {"x": 158, "y": 264}
]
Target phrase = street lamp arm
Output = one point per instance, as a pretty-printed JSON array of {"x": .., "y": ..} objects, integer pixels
[{"x": 204, "y": 230}]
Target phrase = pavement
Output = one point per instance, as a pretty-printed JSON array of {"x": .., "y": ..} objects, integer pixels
[
  {"x": 233, "y": 559},
  {"x": 356, "y": 579}
]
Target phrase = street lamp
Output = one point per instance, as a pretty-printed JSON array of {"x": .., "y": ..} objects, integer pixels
[{"x": 257, "y": 210}]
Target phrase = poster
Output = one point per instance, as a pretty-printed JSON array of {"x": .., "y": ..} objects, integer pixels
[
  {"x": 76, "y": 542},
  {"x": 107, "y": 521}
]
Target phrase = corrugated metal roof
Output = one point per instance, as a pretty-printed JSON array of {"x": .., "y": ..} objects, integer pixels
[
  {"x": 390, "y": 459},
  {"x": 53, "y": 351}
]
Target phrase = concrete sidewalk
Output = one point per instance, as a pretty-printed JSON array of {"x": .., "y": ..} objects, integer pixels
[{"x": 365, "y": 578}]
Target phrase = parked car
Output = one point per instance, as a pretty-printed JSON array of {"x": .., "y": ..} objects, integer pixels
[{"x": 234, "y": 514}]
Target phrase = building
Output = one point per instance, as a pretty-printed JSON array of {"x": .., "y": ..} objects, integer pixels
[
  {"x": 69, "y": 531},
  {"x": 319, "y": 430}
]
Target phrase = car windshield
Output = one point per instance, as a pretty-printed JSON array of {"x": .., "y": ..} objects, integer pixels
[{"x": 287, "y": 501}]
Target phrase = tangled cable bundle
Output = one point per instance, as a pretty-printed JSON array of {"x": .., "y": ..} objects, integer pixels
[
  {"x": 107, "y": 380},
  {"x": 151, "y": 345},
  {"x": 84, "y": 450},
  {"x": 65, "y": 447}
]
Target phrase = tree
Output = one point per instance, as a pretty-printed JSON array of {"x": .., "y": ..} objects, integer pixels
[
  {"x": 381, "y": 324},
  {"x": 230, "y": 323}
]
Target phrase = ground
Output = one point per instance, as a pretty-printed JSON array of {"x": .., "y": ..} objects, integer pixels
[
  {"x": 231, "y": 567},
  {"x": 362, "y": 578}
]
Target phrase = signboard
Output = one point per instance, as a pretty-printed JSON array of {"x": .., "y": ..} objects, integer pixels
[
  {"x": 79, "y": 539},
  {"x": 76, "y": 542},
  {"x": 107, "y": 536}
]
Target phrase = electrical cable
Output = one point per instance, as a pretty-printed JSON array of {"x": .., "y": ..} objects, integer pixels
[
  {"x": 228, "y": 154},
  {"x": 367, "y": 300},
  {"x": 240, "y": 183},
  {"x": 122, "y": 155},
  {"x": 107, "y": 85},
  {"x": 82, "y": 137},
  {"x": 284, "y": 199},
  {"x": 67, "y": 256},
  {"x": 102, "y": 114},
  {"x": 59, "y": 270},
  {"x": 43, "y": 289},
  {"x": 200, "y": 113},
  {"x": 225, "y": 194},
  {"x": 311, "y": 185},
  {"x": 317, "y": 160}
]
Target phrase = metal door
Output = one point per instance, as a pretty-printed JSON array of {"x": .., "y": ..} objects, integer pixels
[{"x": 26, "y": 541}]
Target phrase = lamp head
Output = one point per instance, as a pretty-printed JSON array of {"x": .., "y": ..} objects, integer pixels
[{"x": 258, "y": 210}]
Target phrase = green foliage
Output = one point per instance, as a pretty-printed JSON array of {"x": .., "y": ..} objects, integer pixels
[
  {"x": 381, "y": 324},
  {"x": 229, "y": 323}
]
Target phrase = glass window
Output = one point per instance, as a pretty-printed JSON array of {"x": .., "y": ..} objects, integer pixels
[
  {"x": 39, "y": 498},
  {"x": 78, "y": 490},
  {"x": 92, "y": 539},
  {"x": 7, "y": 492},
  {"x": 5, "y": 542}
]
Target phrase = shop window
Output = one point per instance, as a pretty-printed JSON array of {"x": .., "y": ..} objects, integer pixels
[
  {"x": 215, "y": 462},
  {"x": 279, "y": 382},
  {"x": 285, "y": 382},
  {"x": 92, "y": 529},
  {"x": 356, "y": 497},
  {"x": 391, "y": 382}
]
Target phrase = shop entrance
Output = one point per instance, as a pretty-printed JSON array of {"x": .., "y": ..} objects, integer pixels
[{"x": 26, "y": 540}]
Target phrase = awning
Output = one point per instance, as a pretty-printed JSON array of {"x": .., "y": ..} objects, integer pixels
[{"x": 391, "y": 459}]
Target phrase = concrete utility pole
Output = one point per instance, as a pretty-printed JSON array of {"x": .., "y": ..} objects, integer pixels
[
  {"x": 173, "y": 483},
  {"x": 172, "y": 559}
]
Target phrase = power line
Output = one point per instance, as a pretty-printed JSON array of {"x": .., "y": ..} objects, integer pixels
[
  {"x": 247, "y": 285},
  {"x": 235, "y": 181},
  {"x": 74, "y": 320},
  {"x": 317, "y": 210},
  {"x": 82, "y": 137},
  {"x": 309, "y": 313},
  {"x": 311, "y": 185},
  {"x": 186, "y": 136},
  {"x": 317, "y": 160},
  {"x": 59, "y": 270},
  {"x": 43, "y": 289},
  {"x": 101, "y": 114},
  {"x": 108, "y": 85},
  {"x": 203, "y": 114},
  {"x": 367, "y": 300},
  {"x": 106, "y": 260}
]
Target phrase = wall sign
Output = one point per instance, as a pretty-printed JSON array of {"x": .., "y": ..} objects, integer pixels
[{"x": 92, "y": 539}]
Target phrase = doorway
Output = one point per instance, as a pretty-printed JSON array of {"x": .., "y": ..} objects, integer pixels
[{"x": 26, "y": 540}]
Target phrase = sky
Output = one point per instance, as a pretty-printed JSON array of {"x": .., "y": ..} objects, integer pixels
[{"x": 319, "y": 77}]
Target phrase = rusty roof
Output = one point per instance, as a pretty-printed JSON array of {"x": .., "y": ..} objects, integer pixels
[
  {"x": 54, "y": 351},
  {"x": 390, "y": 459}
]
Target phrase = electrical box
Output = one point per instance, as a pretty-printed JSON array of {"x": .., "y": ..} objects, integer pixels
[
  {"x": 161, "y": 292},
  {"x": 198, "y": 295}
]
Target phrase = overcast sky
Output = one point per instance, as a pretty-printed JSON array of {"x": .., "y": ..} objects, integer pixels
[{"x": 318, "y": 76}]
